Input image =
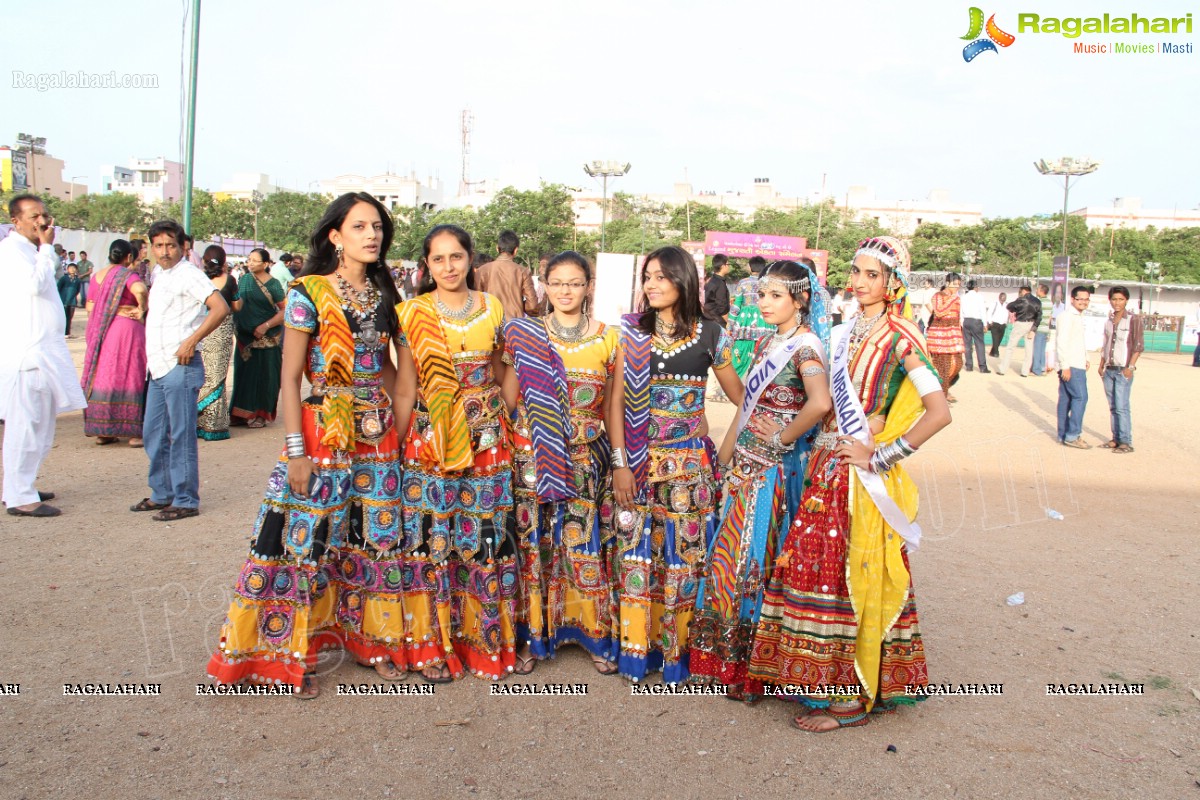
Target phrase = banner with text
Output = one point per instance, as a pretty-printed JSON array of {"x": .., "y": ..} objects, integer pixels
[{"x": 744, "y": 245}]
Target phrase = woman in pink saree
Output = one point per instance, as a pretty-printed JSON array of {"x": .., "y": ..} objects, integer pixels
[{"x": 114, "y": 366}]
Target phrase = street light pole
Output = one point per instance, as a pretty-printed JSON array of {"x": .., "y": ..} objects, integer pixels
[
  {"x": 1041, "y": 226},
  {"x": 1067, "y": 167},
  {"x": 604, "y": 170},
  {"x": 1154, "y": 273}
]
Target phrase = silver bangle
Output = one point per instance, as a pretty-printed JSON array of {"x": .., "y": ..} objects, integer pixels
[
  {"x": 887, "y": 456},
  {"x": 618, "y": 458},
  {"x": 776, "y": 441}
]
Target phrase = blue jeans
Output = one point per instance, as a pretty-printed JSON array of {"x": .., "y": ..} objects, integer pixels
[
  {"x": 169, "y": 433},
  {"x": 83, "y": 284},
  {"x": 1039, "y": 353},
  {"x": 1116, "y": 389},
  {"x": 1072, "y": 400}
]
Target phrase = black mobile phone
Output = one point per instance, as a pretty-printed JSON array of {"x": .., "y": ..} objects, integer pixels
[{"x": 314, "y": 483}]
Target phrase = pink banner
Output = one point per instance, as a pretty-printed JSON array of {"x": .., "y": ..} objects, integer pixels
[
  {"x": 744, "y": 245},
  {"x": 821, "y": 259}
]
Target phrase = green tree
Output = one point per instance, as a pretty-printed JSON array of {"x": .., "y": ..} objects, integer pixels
[{"x": 287, "y": 219}]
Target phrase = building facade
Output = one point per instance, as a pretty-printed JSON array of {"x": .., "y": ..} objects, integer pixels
[
  {"x": 396, "y": 192},
  {"x": 153, "y": 180}
]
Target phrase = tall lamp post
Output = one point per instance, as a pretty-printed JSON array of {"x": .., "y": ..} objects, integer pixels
[
  {"x": 969, "y": 260},
  {"x": 1067, "y": 167},
  {"x": 1041, "y": 226},
  {"x": 605, "y": 170},
  {"x": 1154, "y": 274}
]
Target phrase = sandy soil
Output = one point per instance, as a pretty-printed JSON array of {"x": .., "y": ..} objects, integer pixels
[{"x": 103, "y": 595}]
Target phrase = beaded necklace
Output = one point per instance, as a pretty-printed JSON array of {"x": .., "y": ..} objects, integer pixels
[
  {"x": 360, "y": 306},
  {"x": 862, "y": 329}
]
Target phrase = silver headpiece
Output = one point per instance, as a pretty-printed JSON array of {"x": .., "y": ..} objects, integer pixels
[{"x": 791, "y": 287}]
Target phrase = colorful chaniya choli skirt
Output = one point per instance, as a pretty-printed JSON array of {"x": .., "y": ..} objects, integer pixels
[
  {"x": 324, "y": 571},
  {"x": 659, "y": 557},
  {"x": 755, "y": 509},
  {"x": 460, "y": 580},
  {"x": 565, "y": 591},
  {"x": 807, "y": 634}
]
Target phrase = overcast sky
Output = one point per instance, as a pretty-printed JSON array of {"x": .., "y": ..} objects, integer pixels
[{"x": 869, "y": 93}]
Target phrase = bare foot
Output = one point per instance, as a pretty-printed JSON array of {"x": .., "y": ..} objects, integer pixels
[{"x": 437, "y": 673}]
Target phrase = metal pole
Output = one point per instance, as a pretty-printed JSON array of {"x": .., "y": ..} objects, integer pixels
[
  {"x": 604, "y": 212},
  {"x": 191, "y": 118},
  {"x": 1066, "y": 191}
]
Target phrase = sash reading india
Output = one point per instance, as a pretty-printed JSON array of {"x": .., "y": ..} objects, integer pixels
[
  {"x": 852, "y": 421},
  {"x": 767, "y": 368}
]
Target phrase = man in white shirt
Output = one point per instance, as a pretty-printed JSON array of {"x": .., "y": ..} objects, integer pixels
[
  {"x": 973, "y": 315},
  {"x": 919, "y": 300},
  {"x": 38, "y": 380},
  {"x": 184, "y": 308},
  {"x": 1072, "y": 369}
]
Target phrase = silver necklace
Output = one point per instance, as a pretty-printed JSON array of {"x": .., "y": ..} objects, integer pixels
[
  {"x": 461, "y": 314},
  {"x": 777, "y": 339},
  {"x": 863, "y": 326},
  {"x": 572, "y": 334},
  {"x": 360, "y": 306},
  {"x": 669, "y": 335}
]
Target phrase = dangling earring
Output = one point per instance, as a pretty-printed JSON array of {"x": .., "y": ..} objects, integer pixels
[
  {"x": 799, "y": 317},
  {"x": 338, "y": 249}
]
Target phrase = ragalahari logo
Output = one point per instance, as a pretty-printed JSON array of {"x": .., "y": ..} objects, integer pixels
[{"x": 995, "y": 36}]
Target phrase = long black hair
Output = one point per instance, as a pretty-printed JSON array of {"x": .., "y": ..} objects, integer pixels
[
  {"x": 119, "y": 250},
  {"x": 679, "y": 268},
  {"x": 790, "y": 271},
  {"x": 950, "y": 278},
  {"x": 428, "y": 284},
  {"x": 323, "y": 260}
]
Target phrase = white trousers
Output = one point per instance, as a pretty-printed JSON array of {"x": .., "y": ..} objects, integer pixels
[{"x": 28, "y": 436}]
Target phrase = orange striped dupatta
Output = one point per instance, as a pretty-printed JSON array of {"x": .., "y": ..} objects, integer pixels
[
  {"x": 337, "y": 344},
  {"x": 451, "y": 442}
]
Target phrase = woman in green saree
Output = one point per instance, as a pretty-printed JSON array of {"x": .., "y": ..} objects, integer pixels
[{"x": 258, "y": 359}]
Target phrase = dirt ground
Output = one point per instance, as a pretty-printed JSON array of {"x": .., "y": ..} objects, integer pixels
[{"x": 102, "y": 595}]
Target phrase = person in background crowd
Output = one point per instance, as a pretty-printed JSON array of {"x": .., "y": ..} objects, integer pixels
[
  {"x": 141, "y": 264},
  {"x": 716, "y": 290},
  {"x": 85, "y": 277},
  {"x": 998, "y": 318},
  {"x": 746, "y": 325},
  {"x": 281, "y": 270},
  {"x": 70, "y": 260},
  {"x": 37, "y": 377},
  {"x": 212, "y": 403},
  {"x": 60, "y": 260},
  {"x": 974, "y": 316},
  {"x": 1123, "y": 346},
  {"x": 259, "y": 325},
  {"x": 1072, "y": 369},
  {"x": 1042, "y": 332},
  {"x": 189, "y": 251},
  {"x": 944, "y": 334},
  {"x": 510, "y": 282},
  {"x": 184, "y": 308},
  {"x": 1027, "y": 312},
  {"x": 114, "y": 363},
  {"x": 68, "y": 291},
  {"x": 919, "y": 303},
  {"x": 296, "y": 265}
]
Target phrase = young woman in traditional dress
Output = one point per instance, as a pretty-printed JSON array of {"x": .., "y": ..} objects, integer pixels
[
  {"x": 461, "y": 573},
  {"x": 944, "y": 333},
  {"x": 325, "y": 568},
  {"x": 763, "y": 457},
  {"x": 663, "y": 464},
  {"x": 838, "y": 625},
  {"x": 560, "y": 384}
]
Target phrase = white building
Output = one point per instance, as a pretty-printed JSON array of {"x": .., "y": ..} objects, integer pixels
[
  {"x": 244, "y": 185},
  {"x": 1127, "y": 212},
  {"x": 394, "y": 191},
  {"x": 154, "y": 180}
]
